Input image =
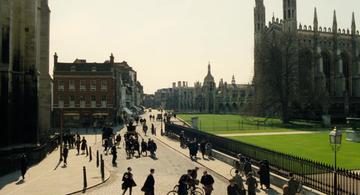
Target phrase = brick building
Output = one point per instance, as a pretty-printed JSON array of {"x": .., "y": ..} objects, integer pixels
[{"x": 87, "y": 93}]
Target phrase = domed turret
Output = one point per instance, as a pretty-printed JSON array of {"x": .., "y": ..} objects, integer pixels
[{"x": 209, "y": 78}]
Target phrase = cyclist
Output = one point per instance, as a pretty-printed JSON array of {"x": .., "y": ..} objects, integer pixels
[
  {"x": 184, "y": 181},
  {"x": 239, "y": 164}
]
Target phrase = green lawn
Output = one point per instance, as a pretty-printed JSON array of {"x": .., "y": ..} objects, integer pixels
[
  {"x": 219, "y": 124},
  {"x": 311, "y": 146}
]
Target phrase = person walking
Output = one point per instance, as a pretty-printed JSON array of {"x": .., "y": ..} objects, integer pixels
[
  {"x": 128, "y": 181},
  {"x": 148, "y": 187},
  {"x": 77, "y": 143},
  {"x": 106, "y": 145},
  {"x": 202, "y": 148},
  {"x": 208, "y": 182},
  {"x": 83, "y": 145},
  {"x": 144, "y": 147},
  {"x": 233, "y": 189},
  {"x": 292, "y": 186},
  {"x": 118, "y": 140},
  {"x": 252, "y": 184},
  {"x": 153, "y": 130},
  {"x": 23, "y": 165},
  {"x": 114, "y": 154},
  {"x": 65, "y": 155},
  {"x": 264, "y": 174},
  {"x": 238, "y": 180}
]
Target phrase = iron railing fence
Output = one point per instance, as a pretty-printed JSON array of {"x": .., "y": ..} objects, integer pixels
[{"x": 317, "y": 175}]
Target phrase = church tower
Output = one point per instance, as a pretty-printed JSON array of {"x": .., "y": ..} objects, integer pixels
[
  {"x": 259, "y": 16},
  {"x": 290, "y": 15}
]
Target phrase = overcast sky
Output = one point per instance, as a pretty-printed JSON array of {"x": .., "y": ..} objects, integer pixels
[{"x": 173, "y": 40}]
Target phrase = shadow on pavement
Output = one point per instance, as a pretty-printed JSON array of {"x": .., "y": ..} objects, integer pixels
[{"x": 9, "y": 178}]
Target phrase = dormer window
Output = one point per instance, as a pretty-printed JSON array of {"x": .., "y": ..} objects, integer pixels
[{"x": 93, "y": 69}]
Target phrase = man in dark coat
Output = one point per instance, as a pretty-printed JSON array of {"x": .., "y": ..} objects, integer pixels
[
  {"x": 184, "y": 182},
  {"x": 144, "y": 147},
  {"x": 83, "y": 145},
  {"x": 202, "y": 148},
  {"x": 148, "y": 187},
  {"x": 114, "y": 154},
  {"x": 23, "y": 165},
  {"x": 252, "y": 184},
  {"x": 233, "y": 188},
  {"x": 264, "y": 174},
  {"x": 208, "y": 181},
  {"x": 128, "y": 181},
  {"x": 65, "y": 154}
]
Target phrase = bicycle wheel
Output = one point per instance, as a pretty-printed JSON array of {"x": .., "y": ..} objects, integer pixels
[
  {"x": 172, "y": 192},
  {"x": 232, "y": 172},
  {"x": 200, "y": 190}
]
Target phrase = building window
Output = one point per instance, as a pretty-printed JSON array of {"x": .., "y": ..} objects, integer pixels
[
  {"x": 82, "y": 85},
  {"x": 72, "y": 69},
  {"x": 103, "y": 101},
  {"x": 71, "y": 85},
  {"x": 61, "y": 101},
  {"x": 93, "y": 69},
  {"x": 82, "y": 102},
  {"x": 93, "y": 101},
  {"x": 93, "y": 85},
  {"x": 104, "y": 85},
  {"x": 61, "y": 86},
  {"x": 72, "y": 101}
]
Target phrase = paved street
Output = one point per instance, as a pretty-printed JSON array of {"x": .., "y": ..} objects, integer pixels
[{"x": 169, "y": 166}]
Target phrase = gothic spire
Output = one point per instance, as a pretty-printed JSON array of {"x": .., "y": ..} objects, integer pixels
[
  {"x": 353, "y": 24},
  {"x": 233, "y": 80},
  {"x": 316, "y": 24},
  {"x": 334, "y": 23},
  {"x": 209, "y": 68}
]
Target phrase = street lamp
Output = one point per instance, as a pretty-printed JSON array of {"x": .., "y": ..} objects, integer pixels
[
  {"x": 335, "y": 137},
  {"x": 162, "y": 133},
  {"x": 61, "y": 132}
]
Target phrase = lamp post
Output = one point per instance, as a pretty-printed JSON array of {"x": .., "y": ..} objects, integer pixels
[
  {"x": 61, "y": 132},
  {"x": 161, "y": 123},
  {"x": 335, "y": 137}
]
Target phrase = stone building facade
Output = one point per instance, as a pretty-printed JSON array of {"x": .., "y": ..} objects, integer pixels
[
  {"x": 25, "y": 84},
  {"x": 87, "y": 94},
  {"x": 322, "y": 64},
  {"x": 205, "y": 97}
]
